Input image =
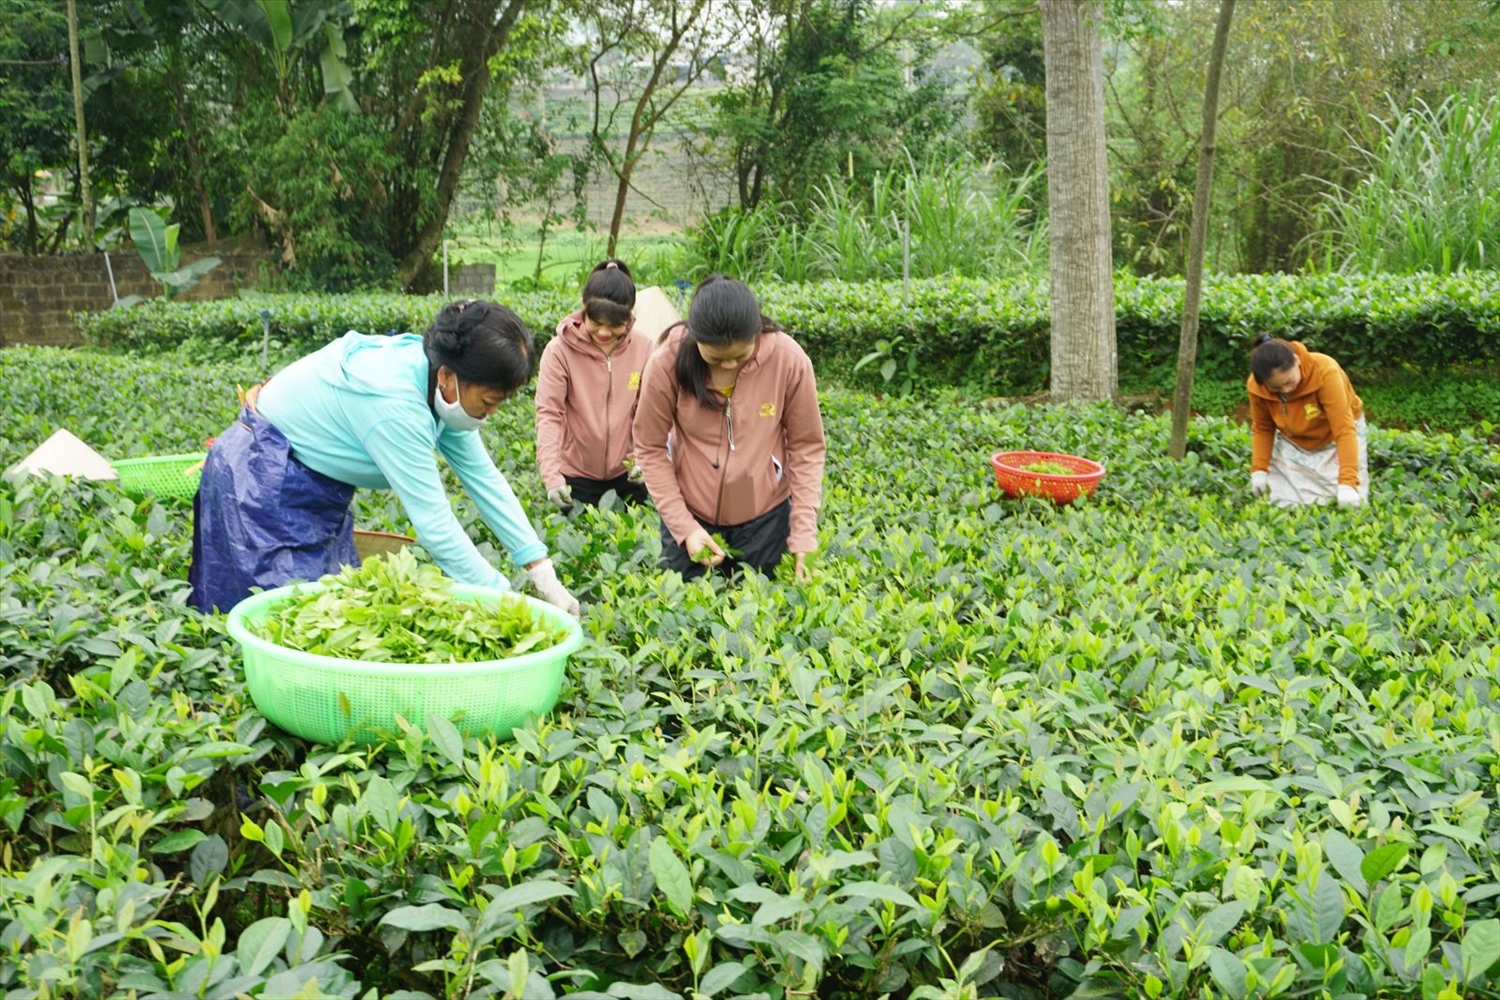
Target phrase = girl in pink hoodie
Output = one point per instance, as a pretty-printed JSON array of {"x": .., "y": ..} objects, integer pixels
[
  {"x": 587, "y": 387},
  {"x": 738, "y": 400}
]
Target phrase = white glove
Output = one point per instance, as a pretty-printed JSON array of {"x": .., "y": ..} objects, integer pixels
[
  {"x": 636, "y": 474},
  {"x": 1260, "y": 483},
  {"x": 550, "y": 589},
  {"x": 561, "y": 497},
  {"x": 1349, "y": 496}
]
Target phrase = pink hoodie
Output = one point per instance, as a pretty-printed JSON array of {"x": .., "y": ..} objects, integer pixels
[
  {"x": 585, "y": 402},
  {"x": 731, "y": 466}
]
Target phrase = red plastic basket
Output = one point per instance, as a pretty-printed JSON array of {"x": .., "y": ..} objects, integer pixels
[{"x": 1016, "y": 481}]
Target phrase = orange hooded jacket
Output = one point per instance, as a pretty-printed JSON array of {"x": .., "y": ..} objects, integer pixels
[{"x": 1322, "y": 409}]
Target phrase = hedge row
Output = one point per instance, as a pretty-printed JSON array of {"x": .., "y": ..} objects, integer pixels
[{"x": 963, "y": 331}]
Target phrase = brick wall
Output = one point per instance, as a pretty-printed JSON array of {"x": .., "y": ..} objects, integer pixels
[{"x": 38, "y": 293}]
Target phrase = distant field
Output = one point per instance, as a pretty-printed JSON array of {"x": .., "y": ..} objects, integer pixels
[{"x": 567, "y": 255}]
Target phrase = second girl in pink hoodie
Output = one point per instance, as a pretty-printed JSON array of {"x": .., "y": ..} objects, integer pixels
[
  {"x": 587, "y": 387},
  {"x": 738, "y": 400}
]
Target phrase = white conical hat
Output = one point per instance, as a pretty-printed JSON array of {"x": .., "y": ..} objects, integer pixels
[
  {"x": 63, "y": 454},
  {"x": 654, "y": 312}
]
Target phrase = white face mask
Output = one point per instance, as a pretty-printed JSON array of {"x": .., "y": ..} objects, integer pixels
[{"x": 453, "y": 414}]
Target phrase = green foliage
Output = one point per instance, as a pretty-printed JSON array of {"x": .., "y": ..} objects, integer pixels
[
  {"x": 1429, "y": 199},
  {"x": 392, "y": 610},
  {"x": 1305, "y": 86},
  {"x": 1169, "y": 742},
  {"x": 318, "y": 189},
  {"x": 1010, "y": 99},
  {"x": 36, "y": 113},
  {"x": 826, "y": 96},
  {"x": 962, "y": 217},
  {"x": 232, "y": 328},
  {"x": 992, "y": 336}
]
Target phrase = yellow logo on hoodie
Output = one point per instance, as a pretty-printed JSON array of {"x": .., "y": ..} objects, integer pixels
[
  {"x": 1312, "y": 411},
  {"x": 768, "y": 409},
  {"x": 635, "y": 381}
]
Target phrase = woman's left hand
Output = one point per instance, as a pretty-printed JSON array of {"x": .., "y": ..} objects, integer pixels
[
  {"x": 801, "y": 571},
  {"x": 550, "y": 589}
]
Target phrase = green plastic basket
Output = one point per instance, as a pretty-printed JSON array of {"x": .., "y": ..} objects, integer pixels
[
  {"x": 164, "y": 475},
  {"x": 327, "y": 700}
]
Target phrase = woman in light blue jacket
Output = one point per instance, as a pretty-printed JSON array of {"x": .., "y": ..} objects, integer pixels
[{"x": 275, "y": 501}]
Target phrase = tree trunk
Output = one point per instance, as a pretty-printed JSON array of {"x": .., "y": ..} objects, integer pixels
[
  {"x": 195, "y": 156},
  {"x": 1084, "y": 359},
  {"x": 492, "y": 34},
  {"x": 1187, "y": 343},
  {"x": 644, "y": 117},
  {"x": 85, "y": 198},
  {"x": 28, "y": 201}
]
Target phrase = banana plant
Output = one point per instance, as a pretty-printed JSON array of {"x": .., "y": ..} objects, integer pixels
[
  {"x": 283, "y": 27},
  {"x": 156, "y": 242}
]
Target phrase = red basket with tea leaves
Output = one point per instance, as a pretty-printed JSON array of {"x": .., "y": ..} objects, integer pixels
[{"x": 1050, "y": 474}]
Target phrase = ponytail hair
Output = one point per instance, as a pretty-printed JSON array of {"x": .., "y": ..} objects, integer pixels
[
  {"x": 483, "y": 343},
  {"x": 609, "y": 293},
  {"x": 1270, "y": 355},
  {"x": 723, "y": 312}
]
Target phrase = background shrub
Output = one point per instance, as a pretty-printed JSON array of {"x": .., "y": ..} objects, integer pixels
[{"x": 985, "y": 335}]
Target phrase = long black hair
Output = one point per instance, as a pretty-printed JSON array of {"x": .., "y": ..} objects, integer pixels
[
  {"x": 483, "y": 343},
  {"x": 1269, "y": 356},
  {"x": 723, "y": 312},
  {"x": 609, "y": 293}
]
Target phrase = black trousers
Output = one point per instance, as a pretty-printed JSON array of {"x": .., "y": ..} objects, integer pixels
[
  {"x": 591, "y": 491},
  {"x": 760, "y": 543}
]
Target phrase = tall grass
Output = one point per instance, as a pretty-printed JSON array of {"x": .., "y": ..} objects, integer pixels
[
  {"x": 1430, "y": 200},
  {"x": 964, "y": 218}
]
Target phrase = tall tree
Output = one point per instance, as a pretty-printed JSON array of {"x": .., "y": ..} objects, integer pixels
[
  {"x": 677, "y": 40},
  {"x": 483, "y": 28},
  {"x": 1084, "y": 356},
  {"x": 36, "y": 120},
  {"x": 1187, "y": 344},
  {"x": 824, "y": 93},
  {"x": 75, "y": 64}
]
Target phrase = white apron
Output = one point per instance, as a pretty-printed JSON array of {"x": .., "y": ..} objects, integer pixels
[{"x": 1302, "y": 477}]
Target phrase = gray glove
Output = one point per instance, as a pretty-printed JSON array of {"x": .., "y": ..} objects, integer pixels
[
  {"x": 1260, "y": 484},
  {"x": 636, "y": 474},
  {"x": 561, "y": 497},
  {"x": 1349, "y": 496}
]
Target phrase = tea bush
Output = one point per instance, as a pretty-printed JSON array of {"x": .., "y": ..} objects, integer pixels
[
  {"x": 990, "y": 336},
  {"x": 1168, "y": 743}
]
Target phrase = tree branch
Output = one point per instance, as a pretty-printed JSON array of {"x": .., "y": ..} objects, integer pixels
[{"x": 419, "y": 92}]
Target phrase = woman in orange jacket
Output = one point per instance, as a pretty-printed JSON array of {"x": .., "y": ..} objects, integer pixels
[
  {"x": 731, "y": 438},
  {"x": 587, "y": 387},
  {"x": 1308, "y": 442}
]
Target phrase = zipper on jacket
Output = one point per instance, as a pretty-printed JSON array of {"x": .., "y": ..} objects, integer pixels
[
  {"x": 609, "y": 392},
  {"x": 724, "y": 470}
]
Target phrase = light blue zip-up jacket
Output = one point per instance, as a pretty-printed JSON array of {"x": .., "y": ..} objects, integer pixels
[{"x": 357, "y": 411}]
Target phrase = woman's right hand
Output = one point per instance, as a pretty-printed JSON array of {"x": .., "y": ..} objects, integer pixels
[{"x": 701, "y": 548}]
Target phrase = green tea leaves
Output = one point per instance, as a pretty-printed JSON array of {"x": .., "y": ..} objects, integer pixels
[{"x": 395, "y": 610}]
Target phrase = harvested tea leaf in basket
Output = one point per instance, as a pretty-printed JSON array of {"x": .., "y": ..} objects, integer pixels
[{"x": 395, "y": 610}]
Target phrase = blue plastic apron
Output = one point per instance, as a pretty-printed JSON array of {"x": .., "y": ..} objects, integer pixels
[{"x": 263, "y": 519}]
